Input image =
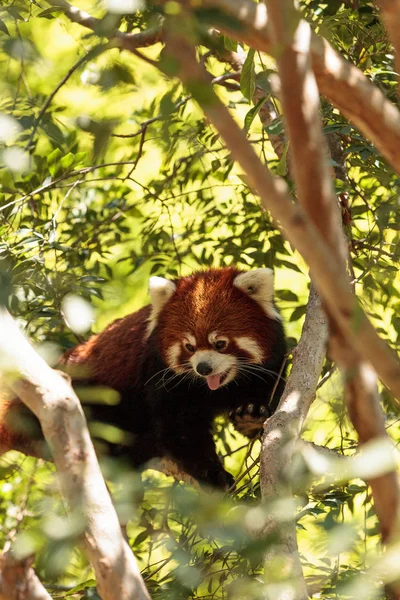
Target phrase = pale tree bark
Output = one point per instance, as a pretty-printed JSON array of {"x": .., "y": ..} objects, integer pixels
[
  {"x": 300, "y": 99},
  {"x": 51, "y": 398},
  {"x": 362, "y": 401},
  {"x": 18, "y": 580},
  {"x": 281, "y": 558}
]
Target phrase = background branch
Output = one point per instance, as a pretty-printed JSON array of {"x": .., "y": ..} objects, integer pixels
[
  {"x": 123, "y": 40},
  {"x": 363, "y": 103},
  {"x": 341, "y": 82}
]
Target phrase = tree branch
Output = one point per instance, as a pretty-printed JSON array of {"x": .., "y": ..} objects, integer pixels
[
  {"x": 300, "y": 99},
  {"x": 341, "y": 82},
  {"x": 358, "y": 99},
  {"x": 18, "y": 580},
  {"x": 361, "y": 394},
  {"x": 123, "y": 40},
  {"x": 281, "y": 432},
  {"x": 363, "y": 404},
  {"x": 301, "y": 111},
  {"x": 50, "y": 397},
  {"x": 332, "y": 283}
]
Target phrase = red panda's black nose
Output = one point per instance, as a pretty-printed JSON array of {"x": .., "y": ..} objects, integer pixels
[{"x": 203, "y": 368}]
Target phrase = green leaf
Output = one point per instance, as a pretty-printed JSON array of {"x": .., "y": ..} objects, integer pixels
[
  {"x": 67, "y": 161},
  {"x": 53, "y": 161},
  {"x": 282, "y": 165},
  {"x": 3, "y": 27},
  {"x": 253, "y": 112},
  {"x": 230, "y": 44},
  {"x": 289, "y": 265},
  {"x": 80, "y": 158},
  {"x": 50, "y": 13},
  {"x": 167, "y": 105},
  {"x": 247, "y": 79},
  {"x": 90, "y": 583},
  {"x": 143, "y": 535},
  {"x": 275, "y": 127},
  {"x": 298, "y": 313},
  {"x": 286, "y": 295}
]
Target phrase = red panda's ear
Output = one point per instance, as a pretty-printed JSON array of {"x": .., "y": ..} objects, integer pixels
[
  {"x": 259, "y": 284},
  {"x": 160, "y": 291}
]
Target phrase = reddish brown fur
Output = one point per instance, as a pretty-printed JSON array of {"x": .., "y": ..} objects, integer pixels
[
  {"x": 15, "y": 438},
  {"x": 176, "y": 421},
  {"x": 111, "y": 357},
  {"x": 208, "y": 301}
]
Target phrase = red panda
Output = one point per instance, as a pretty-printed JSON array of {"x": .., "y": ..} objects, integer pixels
[{"x": 210, "y": 343}]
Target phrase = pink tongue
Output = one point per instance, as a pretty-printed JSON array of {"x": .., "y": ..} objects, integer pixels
[{"x": 214, "y": 381}]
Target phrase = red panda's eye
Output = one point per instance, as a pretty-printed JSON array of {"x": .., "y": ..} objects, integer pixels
[
  {"x": 220, "y": 344},
  {"x": 190, "y": 348}
]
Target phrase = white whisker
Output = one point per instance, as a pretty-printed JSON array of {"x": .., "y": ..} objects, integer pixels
[
  {"x": 242, "y": 371},
  {"x": 158, "y": 373}
]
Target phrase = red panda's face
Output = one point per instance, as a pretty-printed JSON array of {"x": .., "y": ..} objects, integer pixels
[
  {"x": 214, "y": 325},
  {"x": 217, "y": 359}
]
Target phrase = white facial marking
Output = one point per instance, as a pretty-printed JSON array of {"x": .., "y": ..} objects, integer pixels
[
  {"x": 160, "y": 290},
  {"x": 259, "y": 285},
  {"x": 220, "y": 363},
  {"x": 173, "y": 354},
  {"x": 189, "y": 339},
  {"x": 214, "y": 336},
  {"x": 250, "y": 346}
]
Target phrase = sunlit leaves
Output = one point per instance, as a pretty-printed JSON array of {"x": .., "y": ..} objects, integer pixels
[
  {"x": 247, "y": 79},
  {"x": 253, "y": 112},
  {"x": 125, "y": 177}
]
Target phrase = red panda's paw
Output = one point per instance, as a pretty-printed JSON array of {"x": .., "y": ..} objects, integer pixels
[{"x": 249, "y": 419}]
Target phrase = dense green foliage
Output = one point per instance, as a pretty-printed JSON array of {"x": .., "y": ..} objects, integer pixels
[{"x": 108, "y": 173}]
